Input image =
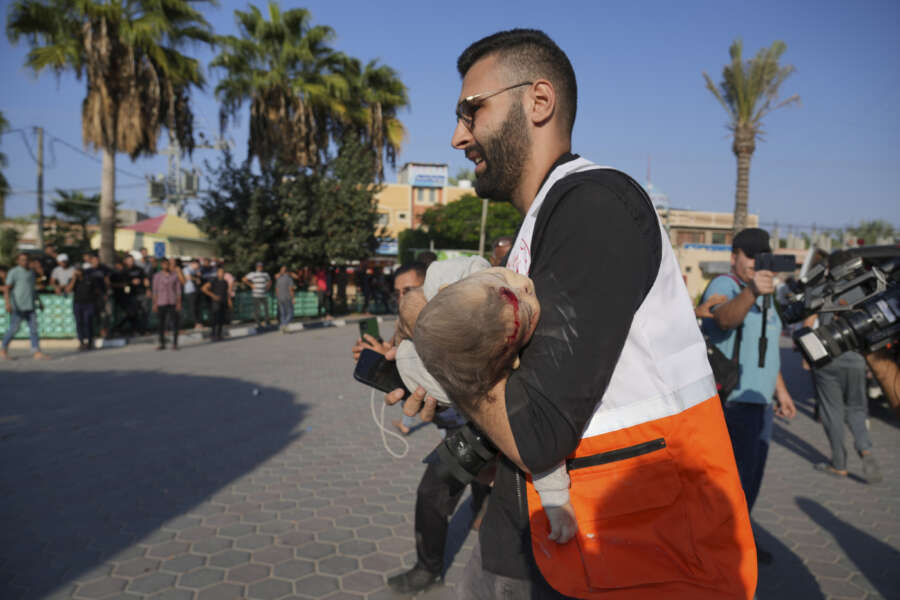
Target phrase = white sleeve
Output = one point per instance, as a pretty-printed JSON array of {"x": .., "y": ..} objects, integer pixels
[{"x": 552, "y": 486}]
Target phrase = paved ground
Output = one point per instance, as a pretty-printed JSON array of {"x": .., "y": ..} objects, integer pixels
[{"x": 252, "y": 469}]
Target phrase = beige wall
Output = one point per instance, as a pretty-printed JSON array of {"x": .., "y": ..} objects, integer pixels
[{"x": 397, "y": 202}]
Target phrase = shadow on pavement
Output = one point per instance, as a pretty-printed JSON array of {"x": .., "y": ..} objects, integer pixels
[
  {"x": 787, "y": 577},
  {"x": 782, "y": 435},
  {"x": 94, "y": 462},
  {"x": 876, "y": 560}
]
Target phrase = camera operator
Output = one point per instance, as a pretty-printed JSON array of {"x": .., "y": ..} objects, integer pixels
[
  {"x": 436, "y": 499},
  {"x": 615, "y": 383},
  {"x": 749, "y": 412}
]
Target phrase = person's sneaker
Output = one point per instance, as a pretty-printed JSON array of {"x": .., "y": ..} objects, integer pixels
[
  {"x": 415, "y": 580},
  {"x": 40, "y": 356},
  {"x": 871, "y": 470}
]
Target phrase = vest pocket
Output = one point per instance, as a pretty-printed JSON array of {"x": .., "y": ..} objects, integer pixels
[{"x": 633, "y": 526}]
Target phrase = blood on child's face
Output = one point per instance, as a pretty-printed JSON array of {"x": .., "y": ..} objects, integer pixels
[{"x": 526, "y": 309}]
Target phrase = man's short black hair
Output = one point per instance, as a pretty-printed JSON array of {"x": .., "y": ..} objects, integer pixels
[
  {"x": 416, "y": 266},
  {"x": 529, "y": 54}
]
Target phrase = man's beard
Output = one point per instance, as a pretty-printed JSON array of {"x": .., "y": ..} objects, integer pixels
[{"x": 504, "y": 155}]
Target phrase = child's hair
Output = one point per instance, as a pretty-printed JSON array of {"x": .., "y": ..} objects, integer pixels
[{"x": 464, "y": 341}]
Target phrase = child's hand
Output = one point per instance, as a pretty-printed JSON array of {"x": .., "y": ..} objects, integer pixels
[{"x": 562, "y": 522}]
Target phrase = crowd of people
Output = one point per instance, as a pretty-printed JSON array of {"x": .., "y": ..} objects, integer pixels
[{"x": 118, "y": 300}]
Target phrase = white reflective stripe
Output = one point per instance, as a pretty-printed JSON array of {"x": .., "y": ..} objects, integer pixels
[{"x": 638, "y": 413}]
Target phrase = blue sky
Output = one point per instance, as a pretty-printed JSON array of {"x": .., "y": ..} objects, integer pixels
[{"x": 831, "y": 161}]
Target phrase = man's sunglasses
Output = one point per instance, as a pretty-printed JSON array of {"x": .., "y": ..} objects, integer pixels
[{"x": 465, "y": 110}]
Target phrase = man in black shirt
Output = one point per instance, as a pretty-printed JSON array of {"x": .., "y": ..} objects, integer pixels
[{"x": 591, "y": 242}]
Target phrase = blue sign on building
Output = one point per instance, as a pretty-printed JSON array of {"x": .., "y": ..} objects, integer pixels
[{"x": 421, "y": 180}]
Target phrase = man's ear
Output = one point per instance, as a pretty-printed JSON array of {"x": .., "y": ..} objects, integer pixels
[{"x": 543, "y": 102}]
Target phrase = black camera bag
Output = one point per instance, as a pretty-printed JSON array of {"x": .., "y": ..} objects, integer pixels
[{"x": 726, "y": 371}]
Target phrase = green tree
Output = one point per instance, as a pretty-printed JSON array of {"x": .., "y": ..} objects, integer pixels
[
  {"x": 4, "y": 184},
  {"x": 9, "y": 243},
  {"x": 284, "y": 67},
  {"x": 137, "y": 80},
  {"x": 872, "y": 231},
  {"x": 287, "y": 214},
  {"x": 748, "y": 92},
  {"x": 79, "y": 210},
  {"x": 457, "y": 224}
]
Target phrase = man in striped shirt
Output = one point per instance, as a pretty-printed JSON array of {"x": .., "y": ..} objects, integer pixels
[{"x": 259, "y": 282}]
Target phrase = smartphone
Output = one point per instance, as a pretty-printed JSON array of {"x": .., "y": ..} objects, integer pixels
[
  {"x": 375, "y": 370},
  {"x": 777, "y": 263},
  {"x": 369, "y": 326}
]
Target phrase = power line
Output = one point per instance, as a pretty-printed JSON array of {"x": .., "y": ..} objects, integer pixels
[{"x": 78, "y": 189}]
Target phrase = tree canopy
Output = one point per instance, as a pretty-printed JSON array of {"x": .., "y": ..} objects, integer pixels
[
  {"x": 289, "y": 215},
  {"x": 872, "y": 231}
]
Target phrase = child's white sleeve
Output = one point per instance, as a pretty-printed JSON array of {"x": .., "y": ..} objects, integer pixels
[{"x": 552, "y": 486}]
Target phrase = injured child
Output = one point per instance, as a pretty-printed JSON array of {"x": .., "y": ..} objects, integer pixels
[{"x": 461, "y": 333}]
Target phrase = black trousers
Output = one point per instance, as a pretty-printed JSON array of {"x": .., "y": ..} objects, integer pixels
[
  {"x": 84, "y": 321},
  {"x": 167, "y": 313},
  {"x": 436, "y": 500},
  {"x": 219, "y": 310}
]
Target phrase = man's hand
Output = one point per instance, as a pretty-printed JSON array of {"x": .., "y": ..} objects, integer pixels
[
  {"x": 8, "y": 306},
  {"x": 562, "y": 522},
  {"x": 419, "y": 402},
  {"x": 372, "y": 344},
  {"x": 704, "y": 311},
  {"x": 785, "y": 408},
  {"x": 153, "y": 308},
  {"x": 763, "y": 283}
]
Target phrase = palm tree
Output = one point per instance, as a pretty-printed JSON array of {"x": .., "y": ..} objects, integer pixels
[
  {"x": 291, "y": 77},
  {"x": 4, "y": 184},
  {"x": 79, "y": 210},
  {"x": 137, "y": 80},
  {"x": 376, "y": 95},
  {"x": 748, "y": 92}
]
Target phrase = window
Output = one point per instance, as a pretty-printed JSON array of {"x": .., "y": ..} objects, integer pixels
[
  {"x": 420, "y": 195},
  {"x": 719, "y": 237},
  {"x": 402, "y": 216},
  {"x": 383, "y": 218},
  {"x": 432, "y": 196}
]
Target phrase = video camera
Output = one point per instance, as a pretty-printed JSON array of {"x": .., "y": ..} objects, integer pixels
[{"x": 861, "y": 288}]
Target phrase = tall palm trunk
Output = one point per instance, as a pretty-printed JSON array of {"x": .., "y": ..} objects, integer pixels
[
  {"x": 743, "y": 147},
  {"x": 108, "y": 208}
]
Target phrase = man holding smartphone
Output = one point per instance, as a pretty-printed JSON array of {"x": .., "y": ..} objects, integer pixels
[{"x": 436, "y": 499}]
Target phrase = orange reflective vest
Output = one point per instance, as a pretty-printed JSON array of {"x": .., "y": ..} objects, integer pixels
[{"x": 654, "y": 485}]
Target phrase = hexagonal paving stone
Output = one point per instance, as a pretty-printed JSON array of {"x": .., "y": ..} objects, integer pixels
[
  {"x": 314, "y": 525},
  {"x": 335, "y": 535},
  {"x": 154, "y": 582},
  {"x": 259, "y": 516},
  {"x": 201, "y": 578},
  {"x": 381, "y": 563},
  {"x": 295, "y": 538},
  {"x": 351, "y": 521},
  {"x": 280, "y": 505},
  {"x": 243, "y": 508},
  {"x": 168, "y": 549},
  {"x": 253, "y": 541},
  {"x": 316, "y": 585},
  {"x": 357, "y": 548},
  {"x": 298, "y": 514},
  {"x": 223, "y": 591},
  {"x": 388, "y": 519},
  {"x": 269, "y": 589},
  {"x": 276, "y": 527},
  {"x": 229, "y": 558},
  {"x": 184, "y": 563},
  {"x": 362, "y": 582},
  {"x": 173, "y": 594},
  {"x": 248, "y": 573},
  {"x": 338, "y": 565},
  {"x": 102, "y": 587},
  {"x": 196, "y": 533},
  {"x": 182, "y": 522},
  {"x": 136, "y": 566},
  {"x": 222, "y": 520},
  {"x": 237, "y": 530},
  {"x": 211, "y": 545},
  {"x": 373, "y": 532},
  {"x": 273, "y": 555},
  {"x": 331, "y": 512},
  {"x": 207, "y": 510},
  {"x": 315, "y": 550},
  {"x": 294, "y": 569}
]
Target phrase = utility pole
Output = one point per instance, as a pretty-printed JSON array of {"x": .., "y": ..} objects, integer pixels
[
  {"x": 173, "y": 190},
  {"x": 484, "y": 211},
  {"x": 40, "y": 186}
]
